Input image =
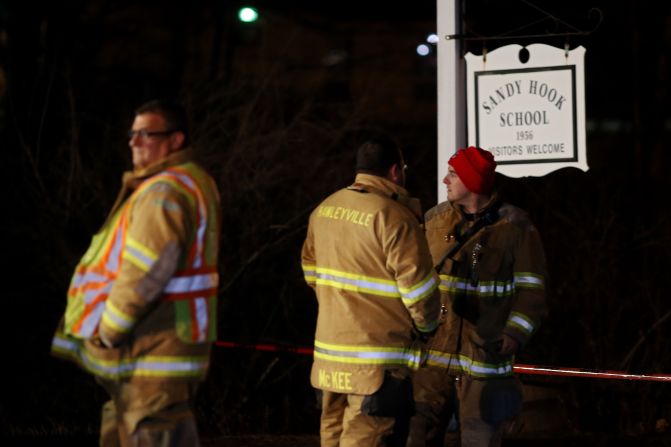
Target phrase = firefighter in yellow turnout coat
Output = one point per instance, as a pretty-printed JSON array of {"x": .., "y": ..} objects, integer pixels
[
  {"x": 493, "y": 291},
  {"x": 141, "y": 310},
  {"x": 367, "y": 259}
]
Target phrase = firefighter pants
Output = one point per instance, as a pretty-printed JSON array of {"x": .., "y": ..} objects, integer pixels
[
  {"x": 149, "y": 415},
  {"x": 377, "y": 420},
  {"x": 486, "y": 408}
]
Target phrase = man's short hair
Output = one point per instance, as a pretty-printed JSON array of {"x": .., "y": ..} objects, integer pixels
[
  {"x": 377, "y": 155},
  {"x": 173, "y": 113}
]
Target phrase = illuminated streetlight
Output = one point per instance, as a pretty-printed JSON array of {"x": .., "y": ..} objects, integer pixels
[
  {"x": 423, "y": 49},
  {"x": 432, "y": 38},
  {"x": 248, "y": 14}
]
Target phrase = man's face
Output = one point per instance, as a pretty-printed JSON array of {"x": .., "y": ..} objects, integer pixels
[
  {"x": 150, "y": 140},
  {"x": 456, "y": 191}
]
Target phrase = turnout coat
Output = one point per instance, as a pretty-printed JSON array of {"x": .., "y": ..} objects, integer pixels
[
  {"x": 367, "y": 258},
  {"x": 142, "y": 301},
  {"x": 493, "y": 285}
]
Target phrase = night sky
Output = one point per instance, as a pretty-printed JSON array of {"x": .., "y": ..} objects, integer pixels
[{"x": 277, "y": 109}]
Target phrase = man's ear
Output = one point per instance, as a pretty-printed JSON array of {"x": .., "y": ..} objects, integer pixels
[
  {"x": 176, "y": 141},
  {"x": 395, "y": 173}
]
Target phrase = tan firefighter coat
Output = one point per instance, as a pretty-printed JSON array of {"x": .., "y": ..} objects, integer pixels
[
  {"x": 494, "y": 284},
  {"x": 147, "y": 285},
  {"x": 367, "y": 258}
]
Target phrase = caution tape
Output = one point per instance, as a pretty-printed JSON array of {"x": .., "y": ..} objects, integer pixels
[
  {"x": 264, "y": 347},
  {"x": 519, "y": 368},
  {"x": 595, "y": 374}
]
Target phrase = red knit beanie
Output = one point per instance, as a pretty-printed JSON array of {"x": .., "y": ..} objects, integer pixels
[{"x": 475, "y": 167}]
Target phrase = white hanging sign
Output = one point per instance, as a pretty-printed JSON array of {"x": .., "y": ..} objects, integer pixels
[{"x": 531, "y": 115}]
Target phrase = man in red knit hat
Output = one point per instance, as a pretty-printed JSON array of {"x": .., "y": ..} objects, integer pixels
[{"x": 492, "y": 269}]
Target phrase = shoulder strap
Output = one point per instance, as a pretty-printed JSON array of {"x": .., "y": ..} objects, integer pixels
[{"x": 490, "y": 216}]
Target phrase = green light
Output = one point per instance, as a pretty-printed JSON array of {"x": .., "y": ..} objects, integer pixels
[{"x": 248, "y": 14}]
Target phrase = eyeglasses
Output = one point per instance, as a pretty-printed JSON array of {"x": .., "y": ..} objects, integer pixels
[{"x": 144, "y": 133}]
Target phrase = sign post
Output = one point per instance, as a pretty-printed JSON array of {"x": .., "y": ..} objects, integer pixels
[{"x": 451, "y": 97}]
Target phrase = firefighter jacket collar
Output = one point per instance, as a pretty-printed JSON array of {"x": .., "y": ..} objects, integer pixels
[
  {"x": 380, "y": 185},
  {"x": 173, "y": 159},
  {"x": 132, "y": 179},
  {"x": 493, "y": 199}
]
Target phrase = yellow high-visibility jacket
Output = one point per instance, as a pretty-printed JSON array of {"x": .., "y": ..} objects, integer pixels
[
  {"x": 494, "y": 284},
  {"x": 367, "y": 258},
  {"x": 142, "y": 302}
]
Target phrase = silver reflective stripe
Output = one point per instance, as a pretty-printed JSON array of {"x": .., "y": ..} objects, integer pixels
[
  {"x": 491, "y": 370},
  {"x": 92, "y": 320},
  {"x": 468, "y": 365},
  {"x": 113, "y": 259},
  {"x": 139, "y": 256},
  {"x": 91, "y": 294},
  {"x": 528, "y": 279},
  {"x": 201, "y": 317},
  {"x": 309, "y": 273},
  {"x": 384, "y": 356},
  {"x": 192, "y": 283},
  {"x": 420, "y": 292},
  {"x": 522, "y": 322},
  {"x": 81, "y": 279},
  {"x": 485, "y": 288},
  {"x": 452, "y": 284},
  {"x": 202, "y": 212},
  {"x": 118, "y": 319},
  {"x": 173, "y": 366},
  {"x": 144, "y": 366},
  {"x": 498, "y": 289},
  {"x": 328, "y": 279},
  {"x": 65, "y": 344}
]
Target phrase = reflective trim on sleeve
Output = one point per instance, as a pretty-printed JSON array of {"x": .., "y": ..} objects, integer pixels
[
  {"x": 521, "y": 322},
  {"x": 419, "y": 291},
  {"x": 116, "y": 318},
  {"x": 529, "y": 280},
  {"x": 309, "y": 273},
  {"x": 139, "y": 255}
]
